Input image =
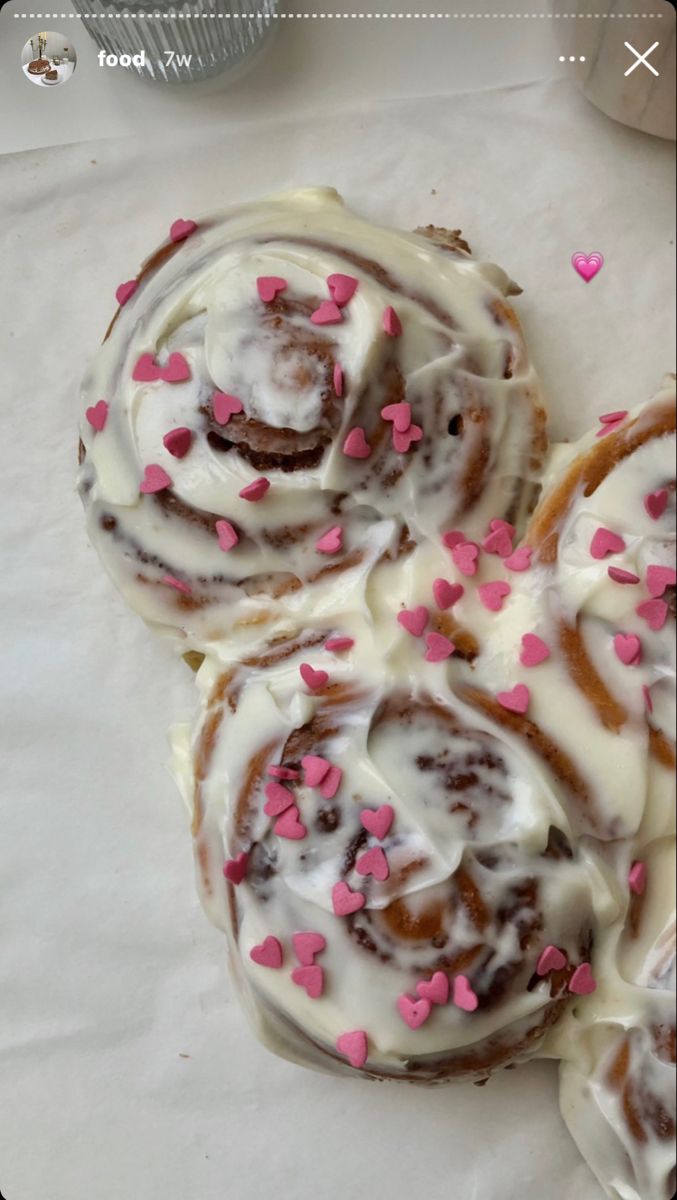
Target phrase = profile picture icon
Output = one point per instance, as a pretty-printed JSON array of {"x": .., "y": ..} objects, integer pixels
[{"x": 48, "y": 59}]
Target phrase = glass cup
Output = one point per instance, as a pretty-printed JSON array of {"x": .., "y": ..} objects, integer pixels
[{"x": 179, "y": 43}]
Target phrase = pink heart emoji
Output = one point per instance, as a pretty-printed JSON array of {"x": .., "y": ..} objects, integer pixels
[
  {"x": 399, "y": 414},
  {"x": 582, "y": 982},
  {"x": 587, "y": 265},
  {"x": 656, "y": 503},
  {"x": 342, "y": 288},
  {"x": 345, "y": 901},
  {"x": 465, "y": 556},
  {"x": 436, "y": 990},
  {"x": 493, "y": 594},
  {"x": 268, "y": 953},
  {"x": 551, "y": 959},
  {"x": 315, "y": 769},
  {"x": 97, "y": 415},
  {"x": 498, "y": 542},
  {"x": 176, "y": 369},
  {"x": 311, "y": 979},
  {"x": 516, "y": 700},
  {"x": 373, "y": 862},
  {"x": 125, "y": 291},
  {"x": 353, "y": 1046},
  {"x": 402, "y": 442},
  {"x": 446, "y": 594},
  {"x": 464, "y": 997},
  {"x": 307, "y": 945},
  {"x": 336, "y": 644},
  {"x": 255, "y": 491},
  {"x": 519, "y": 560},
  {"x": 328, "y": 313},
  {"x": 180, "y": 229},
  {"x": 637, "y": 878},
  {"x": 155, "y": 479},
  {"x": 534, "y": 650},
  {"x": 235, "y": 869},
  {"x": 224, "y": 407},
  {"x": 331, "y": 542},
  {"x": 413, "y": 1012},
  {"x": 227, "y": 535},
  {"x": 356, "y": 444},
  {"x": 414, "y": 620},
  {"x": 178, "y": 441},
  {"x": 654, "y": 612},
  {"x": 331, "y": 783},
  {"x": 337, "y": 380},
  {"x": 628, "y": 649},
  {"x": 391, "y": 322},
  {"x": 453, "y": 537},
  {"x": 660, "y": 578},
  {"x": 378, "y": 821},
  {"x": 604, "y": 542},
  {"x": 278, "y": 799},
  {"x": 620, "y": 576},
  {"x": 269, "y": 286},
  {"x": 312, "y": 678},
  {"x": 288, "y": 825},
  {"x": 439, "y": 647},
  {"x": 279, "y": 772},
  {"x": 146, "y": 369}
]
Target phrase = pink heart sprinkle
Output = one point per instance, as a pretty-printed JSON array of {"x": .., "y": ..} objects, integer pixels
[
  {"x": 356, "y": 444},
  {"x": 342, "y": 288},
  {"x": 656, "y": 503},
  {"x": 620, "y": 576},
  {"x": 453, "y": 537},
  {"x": 227, "y": 535},
  {"x": 493, "y": 594},
  {"x": 224, "y": 407},
  {"x": 654, "y": 612},
  {"x": 659, "y": 578},
  {"x": 155, "y": 479},
  {"x": 516, "y": 700},
  {"x": 498, "y": 523},
  {"x": 97, "y": 415},
  {"x": 336, "y": 644},
  {"x": 268, "y": 953},
  {"x": 582, "y": 982},
  {"x": 399, "y": 414},
  {"x": 235, "y": 869},
  {"x": 345, "y": 901},
  {"x": 378, "y": 821},
  {"x": 278, "y": 799},
  {"x": 534, "y": 650},
  {"x": 331, "y": 542},
  {"x": 436, "y": 990},
  {"x": 307, "y": 945},
  {"x": 328, "y": 313},
  {"x": 178, "y": 441},
  {"x": 465, "y": 556},
  {"x": 648, "y": 702},
  {"x": 439, "y": 647},
  {"x": 611, "y": 418},
  {"x": 637, "y": 878},
  {"x": 255, "y": 491},
  {"x": 146, "y": 369},
  {"x": 353, "y": 1046},
  {"x": 180, "y": 229},
  {"x": 551, "y": 959},
  {"x": 176, "y": 369},
  {"x": 373, "y": 862},
  {"x": 177, "y": 584},
  {"x": 312, "y": 678},
  {"x": 628, "y": 649},
  {"x": 413, "y": 1012},
  {"x": 402, "y": 442},
  {"x": 610, "y": 428},
  {"x": 498, "y": 542},
  {"x": 446, "y": 594},
  {"x": 311, "y": 979},
  {"x": 337, "y": 380},
  {"x": 391, "y": 322},
  {"x": 288, "y": 825},
  {"x": 519, "y": 560},
  {"x": 331, "y": 783},
  {"x": 414, "y": 620},
  {"x": 279, "y": 772},
  {"x": 464, "y": 997},
  {"x": 604, "y": 542},
  {"x": 125, "y": 291},
  {"x": 314, "y": 769},
  {"x": 268, "y": 287}
]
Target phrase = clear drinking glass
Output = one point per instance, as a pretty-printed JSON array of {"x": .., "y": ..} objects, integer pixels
[{"x": 178, "y": 43}]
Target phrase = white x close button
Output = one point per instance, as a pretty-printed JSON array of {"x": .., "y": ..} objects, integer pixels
[{"x": 641, "y": 59}]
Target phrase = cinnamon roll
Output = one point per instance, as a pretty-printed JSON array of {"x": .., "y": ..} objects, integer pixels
[{"x": 289, "y": 395}]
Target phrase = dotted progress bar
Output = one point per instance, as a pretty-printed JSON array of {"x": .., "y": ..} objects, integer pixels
[{"x": 335, "y": 16}]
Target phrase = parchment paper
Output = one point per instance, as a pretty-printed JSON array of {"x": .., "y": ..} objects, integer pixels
[{"x": 126, "y": 1067}]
